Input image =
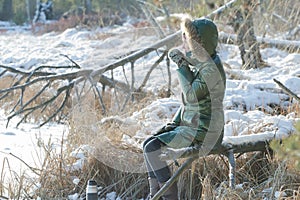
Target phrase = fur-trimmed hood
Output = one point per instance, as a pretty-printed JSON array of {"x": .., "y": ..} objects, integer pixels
[{"x": 203, "y": 31}]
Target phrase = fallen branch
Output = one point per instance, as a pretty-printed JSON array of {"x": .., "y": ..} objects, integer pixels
[
  {"x": 151, "y": 69},
  {"x": 230, "y": 146},
  {"x": 112, "y": 83},
  {"x": 33, "y": 169},
  {"x": 286, "y": 45},
  {"x": 288, "y": 91},
  {"x": 45, "y": 77}
]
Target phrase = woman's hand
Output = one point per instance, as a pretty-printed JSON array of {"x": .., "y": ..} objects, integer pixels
[
  {"x": 168, "y": 127},
  {"x": 177, "y": 57},
  {"x": 180, "y": 59}
]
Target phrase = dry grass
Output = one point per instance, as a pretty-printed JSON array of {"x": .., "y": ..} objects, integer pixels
[
  {"x": 278, "y": 16},
  {"x": 206, "y": 178}
]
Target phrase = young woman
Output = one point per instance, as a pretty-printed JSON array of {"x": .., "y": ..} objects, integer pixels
[{"x": 200, "y": 119}]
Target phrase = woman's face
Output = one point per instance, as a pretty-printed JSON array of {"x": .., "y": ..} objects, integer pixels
[
  {"x": 185, "y": 44},
  {"x": 195, "y": 47}
]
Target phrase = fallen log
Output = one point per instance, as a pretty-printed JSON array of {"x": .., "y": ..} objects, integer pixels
[
  {"x": 238, "y": 144},
  {"x": 230, "y": 146},
  {"x": 286, "y": 45}
]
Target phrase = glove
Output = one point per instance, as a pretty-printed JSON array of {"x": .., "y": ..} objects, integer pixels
[
  {"x": 168, "y": 127},
  {"x": 177, "y": 57}
]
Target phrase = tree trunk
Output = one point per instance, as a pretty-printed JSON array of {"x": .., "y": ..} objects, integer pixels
[
  {"x": 28, "y": 10},
  {"x": 88, "y": 6},
  {"x": 7, "y": 10},
  {"x": 246, "y": 39}
]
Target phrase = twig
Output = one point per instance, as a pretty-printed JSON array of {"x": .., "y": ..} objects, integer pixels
[
  {"x": 169, "y": 75},
  {"x": 150, "y": 71},
  {"x": 154, "y": 23},
  {"x": 98, "y": 94},
  {"x": 3, "y": 72},
  {"x": 76, "y": 65},
  {"x": 130, "y": 92},
  {"x": 115, "y": 91},
  {"x": 132, "y": 78},
  {"x": 32, "y": 99},
  {"x": 33, "y": 169},
  {"x": 32, "y": 109},
  {"x": 60, "y": 109},
  {"x": 288, "y": 91},
  {"x": 63, "y": 76}
]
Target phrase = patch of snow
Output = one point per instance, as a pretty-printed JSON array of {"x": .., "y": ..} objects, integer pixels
[{"x": 249, "y": 138}]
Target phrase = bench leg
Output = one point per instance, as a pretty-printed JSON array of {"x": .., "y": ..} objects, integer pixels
[{"x": 231, "y": 161}]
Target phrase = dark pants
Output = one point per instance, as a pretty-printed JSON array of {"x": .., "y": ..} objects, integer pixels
[{"x": 156, "y": 168}]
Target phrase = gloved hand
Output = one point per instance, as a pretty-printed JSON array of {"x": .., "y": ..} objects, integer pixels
[
  {"x": 178, "y": 57},
  {"x": 168, "y": 127}
]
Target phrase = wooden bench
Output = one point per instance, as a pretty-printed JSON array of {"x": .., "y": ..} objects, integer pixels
[{"x": 231, "y": 145}]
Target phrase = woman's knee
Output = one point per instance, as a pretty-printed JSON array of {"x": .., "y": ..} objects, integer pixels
[
  {"x": 147, "y": 141},
  {"x": 152, "y": 145}
]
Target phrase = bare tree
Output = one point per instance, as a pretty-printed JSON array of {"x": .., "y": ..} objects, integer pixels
[
  {"x": 28, "y": 10},
  {"x": 242, "y": 23}
]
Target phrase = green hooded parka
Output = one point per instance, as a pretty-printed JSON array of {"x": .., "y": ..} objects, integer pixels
[{"x": 203, "y": 88}]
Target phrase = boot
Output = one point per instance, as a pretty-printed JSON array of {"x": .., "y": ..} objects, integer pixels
[
  {"x": 171, "y": 193},
  {"x": 154, "y": 187}
]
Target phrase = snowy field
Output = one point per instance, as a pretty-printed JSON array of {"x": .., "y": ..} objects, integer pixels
[{"x": 253, "y": 92}]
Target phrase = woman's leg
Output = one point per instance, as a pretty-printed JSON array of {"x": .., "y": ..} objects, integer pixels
[
  {"x": 152, "y": 180},
  {"x": 156, "y": 168}
]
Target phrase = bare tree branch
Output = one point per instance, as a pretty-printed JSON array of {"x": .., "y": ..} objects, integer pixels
[
  {"x": 152, "y": 20},
  {"x": 151, "y": 69},
  {"x": 98, "y": 93}
]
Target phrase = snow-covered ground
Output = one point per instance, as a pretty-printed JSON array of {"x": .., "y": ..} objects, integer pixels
[
  {"x": 252, "y": 89},
  {"x": 23, "y": 146}
]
